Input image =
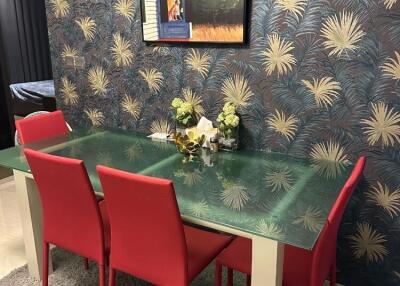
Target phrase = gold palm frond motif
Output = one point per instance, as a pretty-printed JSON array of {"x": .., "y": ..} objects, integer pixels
[
  {"x": 278, "y": 57},
  {"x": 383, "y": 125},
  {"x": 325, "y": 90},
  {"x": 198, "y": 62},
  {"x": 154, "y": 79},
  {"x": 132, "y": 152},
  {"x": 270, "y": 229},
  {"x": 104, "y": 158},
  {"x": 98, "y": 80},
  {"x": 121, "y": 52},
  {"x": 389, "y": 3},
  {"x": 329, "y": 159},
  {"x": 283, "y": 124},
  {"x": 392, "y": 67},
  {"x": 190, "y": 178},
  {"x": 68, "y": 91},
  {"x": 294, "y": 6},
  {"x": 342, "y": 33},
  {"x": 190, "y": 96},
  {"x": 60, "y": 7},
  {"x": 88, "y": 27},
  {"x": 125, "y": 8},
  {"x": 279, "y": 179},
  {"x": 131, "y": 106},
  {"x": 312, "y": 219},
  {"x": 68, "y": 51},
  {"x": 160, "y": 126},
  {"x": 369, "y": 243},
  {"x": 199, "y": 209},
  {"x": 381, "y": 196},
  {"x": 235, "y": 196},
  {"x": 95, "y": 116},
  {"x": 237, "y": 91}
]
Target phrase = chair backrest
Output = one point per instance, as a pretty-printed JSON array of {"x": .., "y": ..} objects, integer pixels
[
  {"x": 71, "y": 217},
  {"x": 41, "y": 127},
  {"x": 147, "y": 236},
  {"x": 324, "y": 251}
]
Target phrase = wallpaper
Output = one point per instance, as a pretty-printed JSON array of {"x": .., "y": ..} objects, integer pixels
[{"x": 319, "y": 79}]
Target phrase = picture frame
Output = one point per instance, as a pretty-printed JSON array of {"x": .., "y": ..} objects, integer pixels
[{"x": 195, "y": 22}]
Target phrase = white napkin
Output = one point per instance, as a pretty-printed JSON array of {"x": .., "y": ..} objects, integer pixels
[
  {"x": 205, "y": 127},
  {"x": 159, "y": 136}
]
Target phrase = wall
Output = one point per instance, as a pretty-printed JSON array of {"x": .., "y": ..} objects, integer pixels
[{"x": 319, "y": 79}]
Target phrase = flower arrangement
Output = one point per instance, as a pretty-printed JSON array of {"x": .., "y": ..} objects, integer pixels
[
  {"x": 228, "y": 120},
  {"x": 184, "y": 112}
]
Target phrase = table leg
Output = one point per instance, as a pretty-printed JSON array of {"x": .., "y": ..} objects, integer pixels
[
  {"x": 267, "y": 262},
  {"x": 31, "y": 218}
]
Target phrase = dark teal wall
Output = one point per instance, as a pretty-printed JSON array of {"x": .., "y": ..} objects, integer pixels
[{"x": 320, "y": 79}]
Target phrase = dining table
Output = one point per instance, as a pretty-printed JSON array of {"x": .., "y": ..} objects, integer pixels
[{"x": 272, "y": 198}]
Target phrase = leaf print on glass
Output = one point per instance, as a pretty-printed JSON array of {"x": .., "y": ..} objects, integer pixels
[
  {"x": 133, "y": 151},
  {"x": 369, "y": 243},
  {"x": 279, "y": 180},
  {"x": 342, "y": 33},
  {"x": 95, "y": 116},
  {"x": 60, "y": 7},
  {"x": 283, "y": 124},
  {"x": 131, "y": 106},
  {"x": 381, "y": 196},
  {"x": 88, "y": 27},
  {"x": 104, "y": 158},
  {"x": 68, "y": 51},
  {"x": 236, "y": 90},
  {"x": 189, "y": 178},
  {"x": 389, "y": 3},
  {"x": 294, "y": 6},
  {"x": 68, "y": 92},
  {"x": 325, "y": 90},
  {"x": 98, "y": 80},
  {"x": 198, "y": 62},
  {"x": 121, "y": 52},
  {"x": 277, "y": 58},
  {"x": 383, "y": 125},
  {"x": 234, "y": 196},
  {"x": 312, "y": 219},
  {"x": 125, "y": 8},
  {"x": 154, "y": 79},
  {"x": 329, "y": 159},
  {"x": 270, "y": 229},
  {"x": 392, "y": 67},
  {"x": 160, "y": 126},
  {"x": 190, "y": 96},
  {"x": 199, "y": 209}
]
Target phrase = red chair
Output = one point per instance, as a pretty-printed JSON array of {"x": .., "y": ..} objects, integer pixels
[
  {"x": 72, "y": 219},
  {"x": 148, "y": 239},
  {"x": 41, "y": 127},
  {"x": 301, "y": 267}
]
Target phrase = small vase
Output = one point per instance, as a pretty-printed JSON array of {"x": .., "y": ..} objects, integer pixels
[{"x": 229, "y": 141}]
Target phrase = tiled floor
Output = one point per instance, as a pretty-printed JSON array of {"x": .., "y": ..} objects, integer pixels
[{"x": 12, "y": 253}]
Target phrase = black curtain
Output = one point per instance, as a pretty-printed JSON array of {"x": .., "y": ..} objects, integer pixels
[{"x": 24, "y": 55}]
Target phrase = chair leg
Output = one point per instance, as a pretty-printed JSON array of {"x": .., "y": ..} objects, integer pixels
[
  {"x": 111, "y": 275},
  {"x": 102, "y": 276},
  {"x": 248, "y": 280},
  {"x": 218, "y": 274},
  {"x": 45, "y": 278},
  {"x": 230, "y": 277},
  {"x": 86, "y": 263},
  {"x": 333, "y": 275}
]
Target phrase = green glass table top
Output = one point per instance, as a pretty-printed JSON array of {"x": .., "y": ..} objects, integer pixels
[{"x": 267, "y": 194}]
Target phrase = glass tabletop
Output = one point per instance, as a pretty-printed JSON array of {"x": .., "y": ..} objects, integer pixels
[{"x": 272, "y": 195}]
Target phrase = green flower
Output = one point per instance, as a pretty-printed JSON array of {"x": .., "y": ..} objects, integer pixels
[
  {"x": 229, "y": 108},
  {"x": 185, "y": 108},
  {"x": 232, "y": 120},
  {"x": 221, "y": 117},
  {"x": 177, "y": 102}
]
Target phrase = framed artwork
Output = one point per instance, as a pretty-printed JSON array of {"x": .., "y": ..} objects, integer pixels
[{"x": 195, "y": 21}]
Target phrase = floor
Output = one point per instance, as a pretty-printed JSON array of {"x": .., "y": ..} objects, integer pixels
[{"x": 12, "y": 253}]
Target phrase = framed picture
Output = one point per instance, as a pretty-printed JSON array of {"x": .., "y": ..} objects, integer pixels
[{"x": 195, "y": 21}]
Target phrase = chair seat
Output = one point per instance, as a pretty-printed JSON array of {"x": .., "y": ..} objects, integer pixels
[
  {"x": 202, "y": 247},
  {"x": 297, "y": 261},
  {"x": 106, "y": 224}
]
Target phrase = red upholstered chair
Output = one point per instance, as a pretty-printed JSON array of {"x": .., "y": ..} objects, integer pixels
[
  {"x": 301, "y": 267},
  {"x": 148, "y": 239},
  {"x": 72, "y": 219},
  {"x": 41, "y": 127}
]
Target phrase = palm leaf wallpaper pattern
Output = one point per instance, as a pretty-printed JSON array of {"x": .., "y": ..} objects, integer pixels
[{"x": 320, "y": 79}]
